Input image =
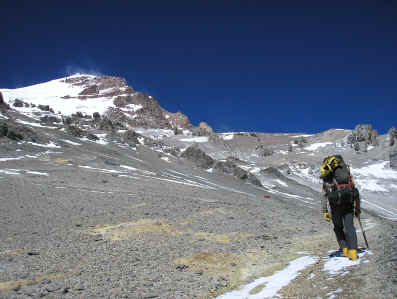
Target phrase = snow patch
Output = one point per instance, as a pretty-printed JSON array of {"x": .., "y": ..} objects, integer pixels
[
  {"x": 10, "y": 159},
  {"x": 166, "y": 159},
  {"x": 195, "y": 139},
  {"x": 227, "y": 136},
  {"x": 282, "y": 183},
  {"x": 338, "y": 265},
  {"x": 316, "y": 146},
  {"x": 34, "y": 124},
  {"x": 37, "y": 173},
  {"x": 50, "y": 145},
  {"x": 303, "y": 135},
  {"x": 51, "y": 93},
  {"x": 377, "y": 170},
  {"x": 332, "y": 295},
  {"x": 70, "y": 142},
  {"x": 272, "y": 284}
]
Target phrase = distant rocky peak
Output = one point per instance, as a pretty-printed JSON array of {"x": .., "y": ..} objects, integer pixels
[
  {"x": 103, "y": 86},
  {"x": 178, "y": 120}
]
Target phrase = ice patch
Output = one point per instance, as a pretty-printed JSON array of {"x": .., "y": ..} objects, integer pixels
[
  {"x": 3, "y": 116},
  {"x": 272, "y": 284}
]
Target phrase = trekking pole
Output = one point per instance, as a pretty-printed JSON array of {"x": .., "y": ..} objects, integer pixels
[{"x": 361, "y": 226}]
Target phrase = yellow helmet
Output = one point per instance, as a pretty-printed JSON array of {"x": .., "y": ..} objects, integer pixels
[{"x": 329, "y": 165}]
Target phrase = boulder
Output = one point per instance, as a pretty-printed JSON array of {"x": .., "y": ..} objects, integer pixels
[
  {"x": 204, "y": 126},
  {"x": 3, "y": 129},
  {"x": 264, "y": 151},
  {"x": 75, "y": 131},
  {"x": 92, "y": 137},
  {"x": 3, "y": 104},
  {"x": 106, "y": 124},
  {"x": 49, "y": 119},
  {"x": 363, "y": 134},
  {"x": 18, "y": 103},
  {"x": 20, "y": 132},
  {"x": 198, "y": 157},
  {"x": 120, "y": 101},
  {"x": 44, "y": 107},
  {"x": 228, "y": 167},
  {"x": 130, "y": 137},
  {"x": 96, "y": 116}
]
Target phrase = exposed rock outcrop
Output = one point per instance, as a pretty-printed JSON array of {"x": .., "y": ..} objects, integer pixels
[
  {"x": 264, "y": 151},
  {"x": 202, "y": 160},
  {"x": 392, "y": 135},
  {"x": 91, "y": 90},
  {"x": 198, "y": 157},
  {"x": 18, "y": 103},
  {"x": 19, "y": 132},
  {"x": 203, "y": 130},
  {"x": 362, "y": 136},
  {"x": 393, "y": 157},
  {"x": 3, "y": 105},
  {"x": 228, "y": 167}
]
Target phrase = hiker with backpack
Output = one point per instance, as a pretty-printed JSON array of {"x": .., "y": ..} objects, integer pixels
[{"x": 344, "y": 202}]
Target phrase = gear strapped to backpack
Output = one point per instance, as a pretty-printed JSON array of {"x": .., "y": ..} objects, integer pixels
[{"x": 338, "y": 184}]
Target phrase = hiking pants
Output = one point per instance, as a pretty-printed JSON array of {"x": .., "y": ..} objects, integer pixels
[{"x": 344, "y": 230}]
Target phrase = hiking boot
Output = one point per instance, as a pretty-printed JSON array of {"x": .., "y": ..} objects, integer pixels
[
  {"x": 345, "y": 252},
  {"x": 352, "y": 254}
]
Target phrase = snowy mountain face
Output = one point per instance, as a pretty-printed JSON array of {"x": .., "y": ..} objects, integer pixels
[
  {"x": 89, "y": 160},
  {"x": 88, "y": 94}
]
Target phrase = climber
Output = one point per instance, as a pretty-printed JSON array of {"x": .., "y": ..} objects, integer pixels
[{"x": 344, "y": 202}]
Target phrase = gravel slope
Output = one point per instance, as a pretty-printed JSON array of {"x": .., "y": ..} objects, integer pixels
[{"x": 74, "y": 223}]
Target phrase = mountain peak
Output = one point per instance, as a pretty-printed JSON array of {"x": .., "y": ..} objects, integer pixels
[{"x": 107, "y": 95}]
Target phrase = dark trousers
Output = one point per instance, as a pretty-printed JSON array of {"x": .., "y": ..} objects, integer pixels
[{"x": 344, "y": 228}]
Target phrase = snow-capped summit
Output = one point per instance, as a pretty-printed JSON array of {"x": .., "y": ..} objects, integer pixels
[{"x": 106, "y": 95}]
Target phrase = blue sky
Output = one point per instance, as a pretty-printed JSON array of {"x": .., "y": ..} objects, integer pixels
[{"x": 267, "y": 66}]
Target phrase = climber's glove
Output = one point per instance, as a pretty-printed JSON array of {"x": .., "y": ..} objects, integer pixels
[
  {"x": 326, "y": 217},
  {"x": 357, "y": 212}
]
